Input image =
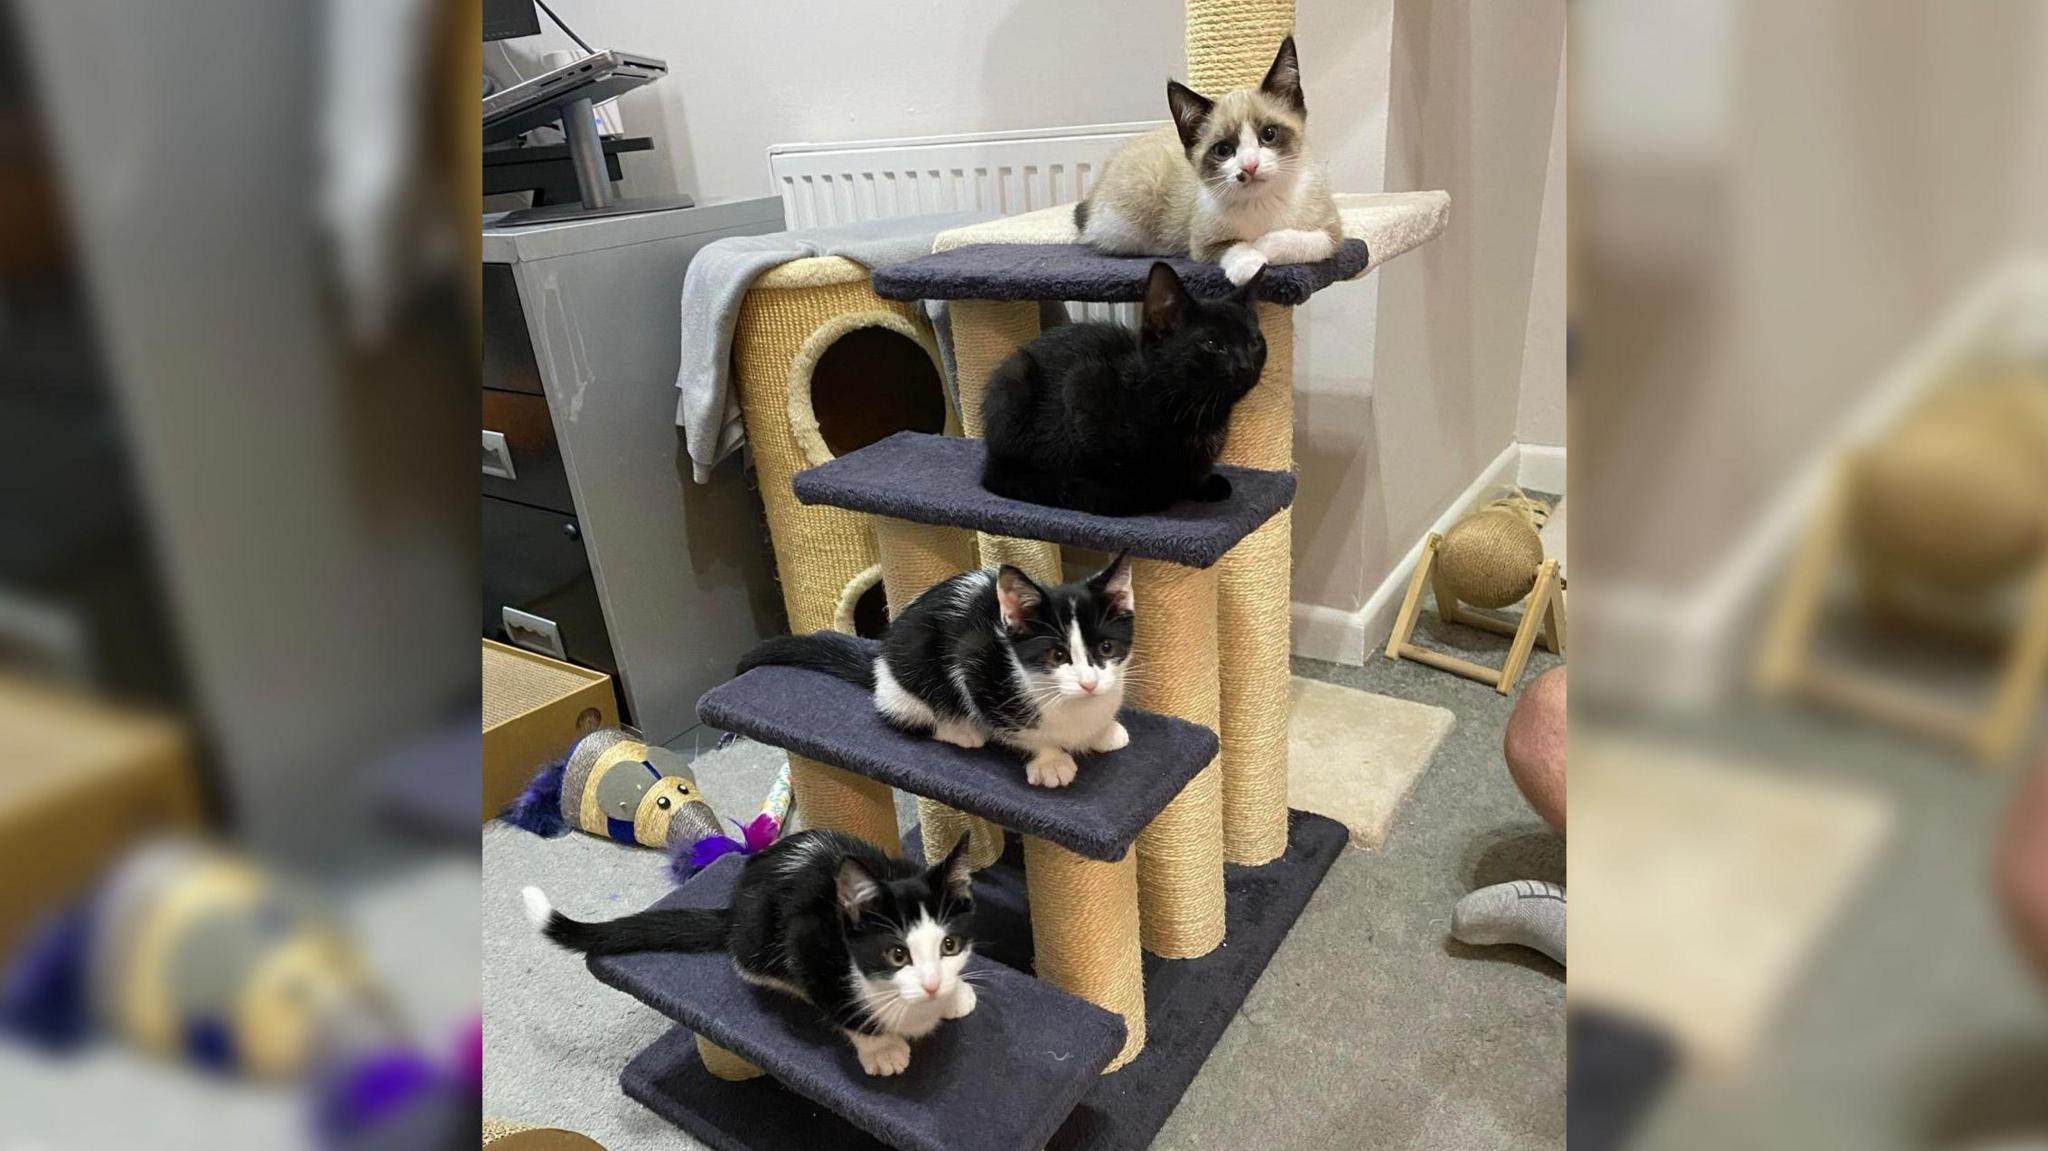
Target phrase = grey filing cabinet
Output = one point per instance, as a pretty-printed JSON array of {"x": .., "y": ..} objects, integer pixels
[{"x": 598, "y": 547}]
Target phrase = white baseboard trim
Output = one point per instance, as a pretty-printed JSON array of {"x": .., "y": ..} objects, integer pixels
[
  {"x": 1350, "y": 637},
  {"x": 1540, "y": 468},
  {"x": 1683, "y": 649}
]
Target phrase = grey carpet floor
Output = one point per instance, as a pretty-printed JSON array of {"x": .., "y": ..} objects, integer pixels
[
  {"x": 1916, "y": 1025},
  {"x": 1370, "y": 1028}
]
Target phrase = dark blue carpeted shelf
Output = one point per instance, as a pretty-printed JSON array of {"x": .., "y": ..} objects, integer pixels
[
  {"x": 929, "y": 479},
  {"x": 1005, "y": 1077},
  {"x": 1078, "y": 272},
  {"x": 1099, "y": 815},
  {"x": 1188, "y": 1005}
]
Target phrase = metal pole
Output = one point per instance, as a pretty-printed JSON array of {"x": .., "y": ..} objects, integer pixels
[{"x": 586, "y": 153}]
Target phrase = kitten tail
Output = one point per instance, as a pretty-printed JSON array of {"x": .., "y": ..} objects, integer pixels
[
  {"x": 669, "y": 929},
  {"x": 834, "y": 653}
]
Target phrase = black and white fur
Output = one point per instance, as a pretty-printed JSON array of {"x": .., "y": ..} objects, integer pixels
[
  {"x": 993, "y": 656},
  {"x": 877, "y": 944}
]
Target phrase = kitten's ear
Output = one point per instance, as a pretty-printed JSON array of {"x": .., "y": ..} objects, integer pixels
[
  {"x": 857, "y": 888},
  {"x": 1166, "y": 301},
  {"x": 955, "y": 872},
  {"x": 1018, "y": 597},
  {"x": 1283, "y": 79},
  {"x": 1190, "y": 111},
  {"x": 1248, "y": 292},
  {"x": 1114, "y": 582}
]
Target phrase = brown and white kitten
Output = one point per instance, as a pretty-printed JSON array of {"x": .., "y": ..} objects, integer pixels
[{"x": 1231, "y": 182}]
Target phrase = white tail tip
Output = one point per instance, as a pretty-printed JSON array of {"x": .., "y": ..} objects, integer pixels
[{"x": 538, "y": 909}]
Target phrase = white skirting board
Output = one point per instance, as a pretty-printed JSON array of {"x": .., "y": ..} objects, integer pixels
[
  {"x": 1684, "y": 649},
  {"x": 1341, "y": 636}
]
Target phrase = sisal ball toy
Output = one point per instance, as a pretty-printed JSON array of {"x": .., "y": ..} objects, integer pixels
[
  {"x": 1490, "y": 557},
  {"x": 1953, "y": 496}
]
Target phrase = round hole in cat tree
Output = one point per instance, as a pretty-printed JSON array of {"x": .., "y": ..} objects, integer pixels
[
  {"x": 872, "y": 383},
  {"x": 871, "y": 613}
]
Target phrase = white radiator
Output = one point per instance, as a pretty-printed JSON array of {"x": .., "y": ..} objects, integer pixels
[
  {"x": 1005, "y": 172},
  {"x": 1001, "y": 172}
]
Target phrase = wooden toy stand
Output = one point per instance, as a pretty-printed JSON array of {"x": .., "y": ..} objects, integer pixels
[{"x": 1542, "y": 617}]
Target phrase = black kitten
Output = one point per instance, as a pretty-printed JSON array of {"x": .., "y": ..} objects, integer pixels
[
  {"x": 991, "y": 655},
  {"x": 1096, "y": 418},
  {"x": 877, "y": 944}
]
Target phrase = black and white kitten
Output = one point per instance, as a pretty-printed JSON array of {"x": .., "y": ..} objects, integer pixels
[
  {"x": 991, "y": 655},
  {"x": 1100, "y": 419},
  {"x": 877, "y": 944}
]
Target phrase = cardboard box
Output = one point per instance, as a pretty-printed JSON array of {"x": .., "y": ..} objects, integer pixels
[
  {"x": 81, "y": 782},
  {"x": 535, "y": 709}
]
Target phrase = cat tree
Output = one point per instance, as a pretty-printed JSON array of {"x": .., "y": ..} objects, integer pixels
[{"x": 1075, "y": 884}]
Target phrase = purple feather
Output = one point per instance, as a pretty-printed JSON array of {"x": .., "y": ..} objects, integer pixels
[
  {"x": 755, "y": 837},
  {"x": 761, "y": 833},
  {"x": 539, "y": 808},
  {"x": 43, "y": 994},
  {"x": 373, "y": 1090}
]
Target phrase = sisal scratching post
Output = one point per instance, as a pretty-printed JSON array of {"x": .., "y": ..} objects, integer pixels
[
  {"x": 914, "y": 557},
  {"x": 1084, "y": 933},
  {"x": 789, "y": 317},
  {"x": 1254, "y": 627},
  {"x": 724, "y": 1064},
  {"x": 841, "y": 801},
  {"x": 985, "y": 333},
  {"x": 1231, "y": 42},
  {"x": 1180, "y": 853}
]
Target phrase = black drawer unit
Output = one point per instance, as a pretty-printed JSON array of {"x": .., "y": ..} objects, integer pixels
[
  {"x": 508, "y": 351},
  {"x": 534, "y": 564},
  {"x": 521, "y": 460}
]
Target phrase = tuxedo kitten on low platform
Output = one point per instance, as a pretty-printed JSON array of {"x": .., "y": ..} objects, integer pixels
[
  {"x": 992, "y": 655},
  {"x": 1231, "y": 182},
  {"x": 877, "y": 944},
  {"x": 1100, "y": 419}
]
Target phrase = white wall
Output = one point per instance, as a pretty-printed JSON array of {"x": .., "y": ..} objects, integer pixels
[
  {"x": 837, "y": 72},
  {"x": 745, "y": 76}
]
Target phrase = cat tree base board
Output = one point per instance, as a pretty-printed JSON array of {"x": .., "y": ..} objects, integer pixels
[{"x": 1188, "y": 1005}]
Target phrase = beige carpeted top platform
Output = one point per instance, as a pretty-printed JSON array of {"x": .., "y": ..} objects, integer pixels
[{"x": 1390, "y": 223}]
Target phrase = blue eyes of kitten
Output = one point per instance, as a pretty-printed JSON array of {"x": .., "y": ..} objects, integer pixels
[{"x": 1224, "y": 148}]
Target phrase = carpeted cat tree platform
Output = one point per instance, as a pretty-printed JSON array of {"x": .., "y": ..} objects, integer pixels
[{"x": 1128, "y": 915}]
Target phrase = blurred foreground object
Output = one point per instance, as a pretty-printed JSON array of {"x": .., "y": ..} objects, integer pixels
[
  {"x": 1492, "y": 558},
  {"x": 187, "y": 951},
  {"x": 2023, "y": 870},
  {"x": 80, "y": 783},
  {"x": 1942, "y": 521}
]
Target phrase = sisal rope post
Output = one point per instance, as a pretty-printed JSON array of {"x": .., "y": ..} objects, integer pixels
[
  {"x": 819, "y": 551},
  {"x": 1231, "y": 43},
  {"x": 830, "y": 798},
  {"x": 1180, "y": 853},
  {"x": 1084, "y": 933},
  {"x": 1254, "y": 628},
  {"x": 914, "y": 557},
  {"x": 985, "y": 333},
  {"x": 724, "y": 1064}
]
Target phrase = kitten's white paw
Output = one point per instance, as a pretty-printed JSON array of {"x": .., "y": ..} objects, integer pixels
[
  {"x": 1050, "y": 768},
  {"x": 1113, "y": 737},
  {"x": 881, "y": 1054},
  {"x": 963, "y": 1001},
  {"x": 960, "y": 734},
  {"x": 538, "y": 909},
  {"x": 1241, "y": 262}
]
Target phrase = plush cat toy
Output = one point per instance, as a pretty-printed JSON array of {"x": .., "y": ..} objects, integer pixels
[
  {"x": 191, "y": 952},
  {"x": 615, "y": 786}
]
